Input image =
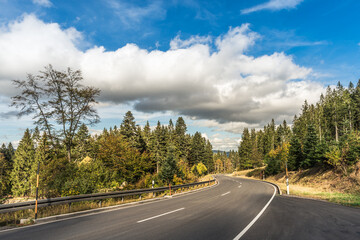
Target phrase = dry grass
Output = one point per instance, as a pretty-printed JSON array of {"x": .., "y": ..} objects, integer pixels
[
  {"x": 13, "y": 219},
  {"x": 318, "y": 183},
  {"x": 244, "y": 172}
]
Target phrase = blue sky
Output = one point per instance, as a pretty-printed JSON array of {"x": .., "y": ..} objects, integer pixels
[{"x": 223, "y": 65}]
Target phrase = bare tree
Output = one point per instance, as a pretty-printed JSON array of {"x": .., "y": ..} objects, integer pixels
[{"x": 59, "y": 103}]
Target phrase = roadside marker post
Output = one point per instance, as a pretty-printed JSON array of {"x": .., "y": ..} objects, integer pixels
[
  {"x": 153, "y": 183},
  {"x": 287, "y": 180}
]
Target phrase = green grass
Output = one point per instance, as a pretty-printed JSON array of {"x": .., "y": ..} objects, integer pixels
[{"x": 346, "y": 199}]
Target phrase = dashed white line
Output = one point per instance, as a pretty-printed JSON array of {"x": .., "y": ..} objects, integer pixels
[
  {"x": 160, "y": 215},
  {"x": 225, "y": 193}
]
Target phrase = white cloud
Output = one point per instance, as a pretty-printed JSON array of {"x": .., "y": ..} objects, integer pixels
[
  {"x": 44, "y": 3},
  {"x": 224, "y": 143},
  {"x": 177, "y": 43},
  {"x": 223, "y": 85},
  {"x": 273, "y": 5},
  {"x": 130, "y": 14}
]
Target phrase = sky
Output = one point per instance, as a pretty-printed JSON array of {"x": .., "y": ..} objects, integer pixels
[{"x": 222, "y": 65}]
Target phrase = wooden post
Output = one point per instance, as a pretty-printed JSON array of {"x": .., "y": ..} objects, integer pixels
[{"x": 37, "y": 190}]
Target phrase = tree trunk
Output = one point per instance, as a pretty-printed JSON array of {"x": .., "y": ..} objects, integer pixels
[
  {"x": 336, "y": 133},
  {"x": 68, "y": 149}
]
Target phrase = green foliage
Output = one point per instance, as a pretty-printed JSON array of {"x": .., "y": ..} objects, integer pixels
[
  {"x": 169, "y": 168},
  {"x": 310, "y": 145},
  {"x": 199, "y": 169},
  {"x": 105, "y": 161},
  {"x": 197, "y": 149},
  {"x": 24, "y": 159}
]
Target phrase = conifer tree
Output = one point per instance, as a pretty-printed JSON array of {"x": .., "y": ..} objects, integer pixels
[
  {"x": 245, "y": 150},
  {"x": 197, "y": 150},
  {"x": 310, "y": 145},
  {"x": 295, "y": 153},
  {"x": 180, "y": 138},
  {"x": 169, "y": 168},
  {"x": 23, "y": 161},
  {"x": 128, "y": 128},
  {"x": 81, "y": 142}
]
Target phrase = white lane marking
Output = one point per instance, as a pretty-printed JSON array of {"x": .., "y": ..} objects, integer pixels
[
  {"x": 256, "y": 218},
  {"x": 110, "y": 209},
  {"x": 160, "y": 215},
  {"x": 225, "y": 193}
]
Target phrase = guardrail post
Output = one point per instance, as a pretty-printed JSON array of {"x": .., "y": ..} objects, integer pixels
[
  {"x": 70, "y": 207},
  {"x": 140, "y": 196},
  {"x": 122, "y": 199},
  {"x": 37, "y": 191},
  {"x": 100, "y": 204}
]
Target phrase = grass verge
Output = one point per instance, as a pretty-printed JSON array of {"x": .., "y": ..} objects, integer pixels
[
  {"x": 12, "y": 219},
  {"x": 313, "y": 187}
]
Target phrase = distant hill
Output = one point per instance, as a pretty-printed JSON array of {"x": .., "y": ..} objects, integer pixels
[{"x": 216, "y": 151}]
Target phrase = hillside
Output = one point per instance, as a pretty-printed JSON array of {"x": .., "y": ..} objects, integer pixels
[{"x": 318, "y": 183}]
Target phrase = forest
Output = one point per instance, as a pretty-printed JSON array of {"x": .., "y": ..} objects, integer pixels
[
  {"x": 325, "y": 135},
  {"x": 127, "y": 156}
]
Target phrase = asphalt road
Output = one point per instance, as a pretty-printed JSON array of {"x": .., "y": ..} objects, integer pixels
[{"x": 236, "y": 208}]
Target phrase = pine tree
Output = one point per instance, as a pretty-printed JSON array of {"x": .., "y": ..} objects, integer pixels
[
  {"x": 295, "y": 153},
  {"x": 310, "y": 145},
  {"x": 209, "y": 163},
  {"x": 139, "y": 141},
  {"x": 197, "y": 150},
  {"x": 245, "y": 150},
  {"x": 147, "y": 134},
  {"x": 180, "y": 138},
  {"x": 169, "y": 168},
  {"x": 23, "y": 161},
  {"x": 81, "y": 142},
  {"x": 128, "y": 128},
  {"x": 43, "y": 156}
]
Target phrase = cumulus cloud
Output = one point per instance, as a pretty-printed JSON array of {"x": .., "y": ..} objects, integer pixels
[
  {"x": 44, "y": 3},
  {"x": 200, "y": 77},
  {"x": 273, "y": 5}
]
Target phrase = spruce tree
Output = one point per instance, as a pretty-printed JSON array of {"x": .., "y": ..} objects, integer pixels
[
  {"x": 180, "y": 138},
  {"x": 310, "y": 146},
  {"x": 128, "y": 128},
  {"x": 23, "y": 161},
  {"x": 81, "y": 142},
  {"x": 169, "y": 168},
  {"x": 295, "y": 154},
  {"x": 245, "y": 150},
  {"x": 197, "y": 150}
]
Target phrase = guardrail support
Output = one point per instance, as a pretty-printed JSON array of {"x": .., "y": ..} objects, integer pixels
[{"x": 13, "y": 207}]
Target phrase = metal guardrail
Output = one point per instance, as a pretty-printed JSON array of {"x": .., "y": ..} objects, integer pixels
[{"x": 5, "y": 208}]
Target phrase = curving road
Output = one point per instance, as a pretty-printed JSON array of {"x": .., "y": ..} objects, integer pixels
[{"x": 234, "y": 209}]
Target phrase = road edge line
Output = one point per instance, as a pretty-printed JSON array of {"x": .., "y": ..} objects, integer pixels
[
  {"x": 89, "y": 212},
  {"x": 257, "y": 217}
]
